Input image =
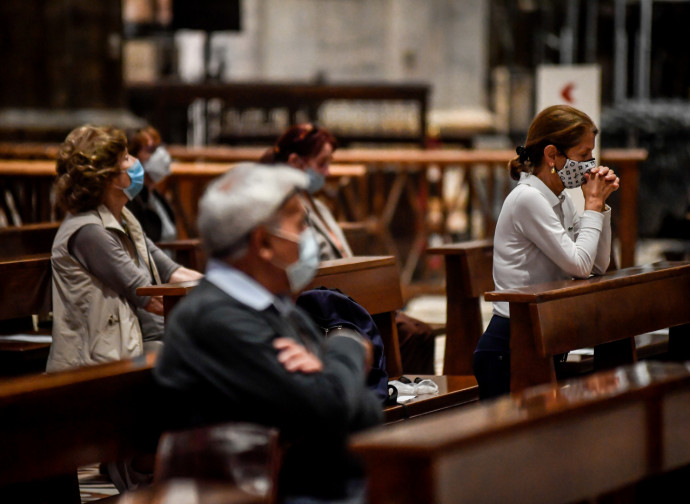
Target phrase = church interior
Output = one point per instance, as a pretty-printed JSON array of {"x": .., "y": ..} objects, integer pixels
[{"x": 424, "y": 105}]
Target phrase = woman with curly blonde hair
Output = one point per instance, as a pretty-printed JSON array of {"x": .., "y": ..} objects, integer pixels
[{"x": 100, "y": 256}]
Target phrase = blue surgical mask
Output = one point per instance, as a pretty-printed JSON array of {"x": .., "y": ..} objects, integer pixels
[
  {"x": 316, "y": 181},
  {"x": 573, "y": 172},
  {"x": 302, "y": 271},
  {"x": 136, "y": 175}
]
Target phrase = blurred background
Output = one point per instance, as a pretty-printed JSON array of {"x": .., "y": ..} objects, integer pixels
[{"x": 461, "y": 74}]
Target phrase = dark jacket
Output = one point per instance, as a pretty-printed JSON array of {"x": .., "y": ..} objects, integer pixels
[
  {"x": 331, "y": 308},
  {"x": 147, "y": 217},
  {"x": 218, "y": 364}
]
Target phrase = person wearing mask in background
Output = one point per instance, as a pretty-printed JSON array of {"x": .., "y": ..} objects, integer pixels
[
  {"x": 238, "y": 349},
  {"x": 150, "y": 207},
  {"x": 310, "y": 148},
  {"x": 101, "y": 255},
  {"x": 539, "y": 235}
]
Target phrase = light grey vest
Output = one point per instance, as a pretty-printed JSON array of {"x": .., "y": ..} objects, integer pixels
[{"x": 91, "y": 322}]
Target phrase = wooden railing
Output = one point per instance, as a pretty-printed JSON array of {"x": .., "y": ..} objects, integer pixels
[{"x": 392, "y": 176}]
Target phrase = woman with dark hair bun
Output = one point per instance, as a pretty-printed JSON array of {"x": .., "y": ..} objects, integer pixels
[
  {"x": 310, "y": 148},
  {"x": 539, "y": 235}
]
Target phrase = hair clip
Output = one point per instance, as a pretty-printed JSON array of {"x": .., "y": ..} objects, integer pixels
[
  {"x": 309, "y": 130},
  {"x": 522, "y": 153}
]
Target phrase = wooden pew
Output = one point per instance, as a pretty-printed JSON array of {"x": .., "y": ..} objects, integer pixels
[
  {"x": 37, "y": 238},
  {"x": 25, "y": 291},
  {"x": 371, "y": 281},
  {"x": 556, "y": 317},
  {"x": 28, "y": 239},
  {"x": 608, "y": 433},
  {"x": 469, "y": 274},
  {"x": 52, "y": 424},
  {"x": 374, "y": 283},
  {"x": 186, "y": 252}
]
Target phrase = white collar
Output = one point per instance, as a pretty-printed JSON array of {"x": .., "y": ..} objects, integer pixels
[
  {"x": 239, "y": 285},
  {"x": 539, "y": 185}
]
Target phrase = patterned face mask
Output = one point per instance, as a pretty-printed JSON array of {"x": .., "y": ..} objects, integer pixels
[{"x": 573, "y": 172}]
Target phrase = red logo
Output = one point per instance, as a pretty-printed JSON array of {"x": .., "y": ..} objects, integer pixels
[{"x": 567, "y": 92}]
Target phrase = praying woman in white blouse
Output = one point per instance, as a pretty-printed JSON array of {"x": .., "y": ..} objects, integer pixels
[{"x": 540, "y": 237}]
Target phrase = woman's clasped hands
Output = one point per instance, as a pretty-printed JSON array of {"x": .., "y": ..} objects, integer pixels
[{"x": 601, "y": 182}]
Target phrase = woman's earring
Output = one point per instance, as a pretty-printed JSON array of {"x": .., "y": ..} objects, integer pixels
[{"x": 553, "y": 169}]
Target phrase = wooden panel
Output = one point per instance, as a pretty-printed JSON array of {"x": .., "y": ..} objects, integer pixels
[
  {"x": 28, "y": 239},
  {"x": 546, "y": 444},
  {"x": 49, "y": 428},
  {"x": 676, "y": 419},
  {"x": 469, "y": 273},
  {"x": 555, "y": 463},
  {"x": 588, "y": 320},
  {"x": 371, "y": 281},
  {"x": 64, "y": 54},
  {"x": 25, "y": 286}
]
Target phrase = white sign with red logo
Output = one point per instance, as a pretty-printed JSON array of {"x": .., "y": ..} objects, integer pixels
[{"x": 576, "y": 85}]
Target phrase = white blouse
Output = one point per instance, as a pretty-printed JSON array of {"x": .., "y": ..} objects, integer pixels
[{"x": 541, "y": 238}]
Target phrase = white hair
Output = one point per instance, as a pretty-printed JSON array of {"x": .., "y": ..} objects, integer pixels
[{"x": 248, "y": 195}]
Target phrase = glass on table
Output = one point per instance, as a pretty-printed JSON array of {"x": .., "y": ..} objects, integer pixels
[{"x": 240, "y": 454}]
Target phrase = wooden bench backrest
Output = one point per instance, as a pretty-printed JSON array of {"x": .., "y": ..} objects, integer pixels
[
  {"x": 469, "y": 274},
  {"x": 377, "y": 288},
  {"x": 29, "y": 239},
  {"x": 618, "y": 427},
  {"x": 552, "y": 318},
  {"x": 25, "y": 286},
  {"x": 52, "y": 424},
  {"x": 373, "y": 282},
  {"x": 651, "y": 290},
  {"x": 25, "y": 291}
]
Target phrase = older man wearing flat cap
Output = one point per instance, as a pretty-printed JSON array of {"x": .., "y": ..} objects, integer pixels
[{"x": 237, "y": 349}]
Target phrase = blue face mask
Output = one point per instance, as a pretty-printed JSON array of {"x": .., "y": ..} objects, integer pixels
[
  {"x": 136, "y": 175},
  {"x": 316, "y": 181}
]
